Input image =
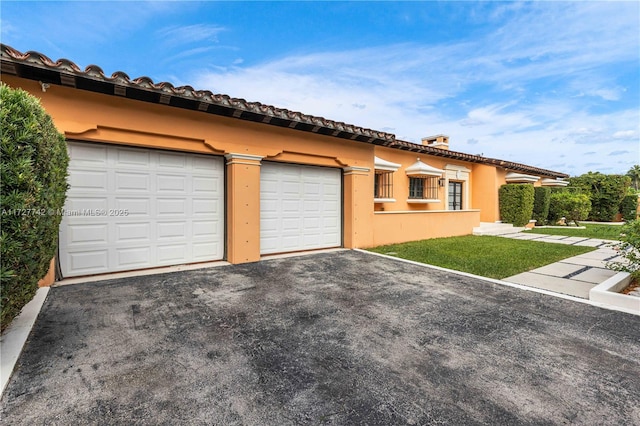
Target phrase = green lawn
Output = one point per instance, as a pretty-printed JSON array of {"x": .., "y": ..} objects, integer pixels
[
  {"x": 605, "y": 232},
  {"x": 493, "y": 257}
]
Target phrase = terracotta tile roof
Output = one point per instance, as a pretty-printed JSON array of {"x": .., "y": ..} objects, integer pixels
[
  {"x": 36, "y": 66},
  {"x": 439, "y": 152}
]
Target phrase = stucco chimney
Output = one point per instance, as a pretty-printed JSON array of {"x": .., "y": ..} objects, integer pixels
[{"x": 437, "y": 141}]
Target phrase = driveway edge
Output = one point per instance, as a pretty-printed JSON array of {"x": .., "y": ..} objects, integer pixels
[
  {"x": 508, "y": 284},
  {"x": 15, "y": 336}
]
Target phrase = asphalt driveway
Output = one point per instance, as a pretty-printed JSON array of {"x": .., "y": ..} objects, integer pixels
[{"x": 332, "y": 338}]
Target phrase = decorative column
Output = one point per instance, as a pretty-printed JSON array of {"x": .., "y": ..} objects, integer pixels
[
  {"x": 358, "y": 207},
  {"x": 243, "y": 208}
]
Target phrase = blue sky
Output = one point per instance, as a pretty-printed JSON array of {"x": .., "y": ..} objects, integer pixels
[{"x": 550, "y": 84}]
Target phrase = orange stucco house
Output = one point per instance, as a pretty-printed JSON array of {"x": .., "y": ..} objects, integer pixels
[{"x": 163, "y": 175}]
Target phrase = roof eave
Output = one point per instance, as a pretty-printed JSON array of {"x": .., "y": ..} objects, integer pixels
[{"x": 35, "y": 66}]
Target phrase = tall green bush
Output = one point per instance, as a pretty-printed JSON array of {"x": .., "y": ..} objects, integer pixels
[
  {"x": 629, "y": 207},
  {"x": 573, "y": 206},
  {"x": 516, "y": 203},
  {"x": 33, "y": 170},
  {"x": 606, "y": 192},
  {"x": 629, "y": 249},
  {"x": 541, "y": 202}
]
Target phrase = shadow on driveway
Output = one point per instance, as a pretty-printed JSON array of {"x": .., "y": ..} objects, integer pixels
[{"x": 332, "y": 338}]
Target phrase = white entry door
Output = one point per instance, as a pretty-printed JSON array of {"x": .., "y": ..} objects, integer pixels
[
  {"x": 300, "y": 207},
  {"x": 132, "y": 208}
]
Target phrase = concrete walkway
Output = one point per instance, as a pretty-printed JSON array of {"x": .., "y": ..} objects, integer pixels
[{"x": 574, "y": 276}]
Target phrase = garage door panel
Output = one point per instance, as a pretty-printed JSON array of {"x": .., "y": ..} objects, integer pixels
[
  {"x": 291, "y": 206},
  {"x": 75, "y": 205},
  {"x": 331, "y": 189},
  {"x": 270, "y": 206},
  {"x": 173, "y": 160},
  {"x": 89, "y": 180},
  {"x": 291, "y": 188},
  {"x": 88, "y": 234},
  {"x": 330, "y": 238},
  {"x": 89, "y": 262},
  {"x": 312, "y": 223},
  {"x": 132, "y": 182},
  {"x": 312, "y": 189},
  {"x": 172, "y": 254},
  {"x": 89, "y": 155},
  {"x": 139, "y": 257},
  {"x": 133, "y": 232},
  {"x": 134, "y": 206},
  {"x": 149, "y": 203},
  {"x": 291, "y": 224},
  {"x": 202, "y": 206},
  {"x": 172, "y": 230},
  {"x": 311, "y": 206},
  {"x": 132, "y": 158},
  {"x": 206, "y": 185},
  {"x": 205, "y": 164},
  {"x": 202, "y": 251},
  {"x": 299, "y": 207},
  {"x": 171, "y": 206},
  {"x": 171, "y": 183},
  {"x": 312, "y": 238}
]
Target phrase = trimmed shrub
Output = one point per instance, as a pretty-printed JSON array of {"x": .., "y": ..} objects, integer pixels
[
  {"x": 33, "y": 170},
  {"x": 629, "y": 249},
  {"x": 541, "y": 202},
  {"x": 574, "y": 206},
  {"x": 629, "y": 207},
  {"x": 516, "y": 203},
  {"x": 606, "y": 192}
]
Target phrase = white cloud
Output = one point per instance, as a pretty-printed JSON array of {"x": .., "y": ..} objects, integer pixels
[
  {"x": 626, "y": 134},
  {"x": 190, "y": 34}
]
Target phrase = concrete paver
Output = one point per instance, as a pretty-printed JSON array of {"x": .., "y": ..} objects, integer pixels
[
  {"x": 556, "y": 284},
  {"x": 594, "y": 275},
  {"x": 523, "y": 236},
  {"x": 556, "y": 241},
  {"x": 559, "y": 269},
  {"x": 575, "y": 240},
  {"x": 601, "y": 255},
  {"x": 576, "y": 275},
  {"x": 593, "y": 243},
  {"x": 576, "y": 260}
]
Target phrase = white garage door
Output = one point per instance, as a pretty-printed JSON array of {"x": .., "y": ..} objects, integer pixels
[
  {"x": 130, "y": 208},
  {"x": 300, "y": 208}
]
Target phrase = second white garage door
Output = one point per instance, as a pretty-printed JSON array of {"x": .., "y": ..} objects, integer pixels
[
  {"x": 300, "y": 208},
  {"x": 131, "y": 208}
]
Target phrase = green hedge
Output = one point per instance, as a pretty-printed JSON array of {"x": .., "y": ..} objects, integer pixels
[
  {"x": 606, "y": 193},
  {"x": 516, "y": 203},
  {"x": 541, "y": 202},
  {"x": 574, "y": 206},
  {"x": 629, "y": 207},
  {"x": 33, "y": 170}
]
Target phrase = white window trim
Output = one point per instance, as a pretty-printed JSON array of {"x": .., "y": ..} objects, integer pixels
[{"x": 384, "y": 166}]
